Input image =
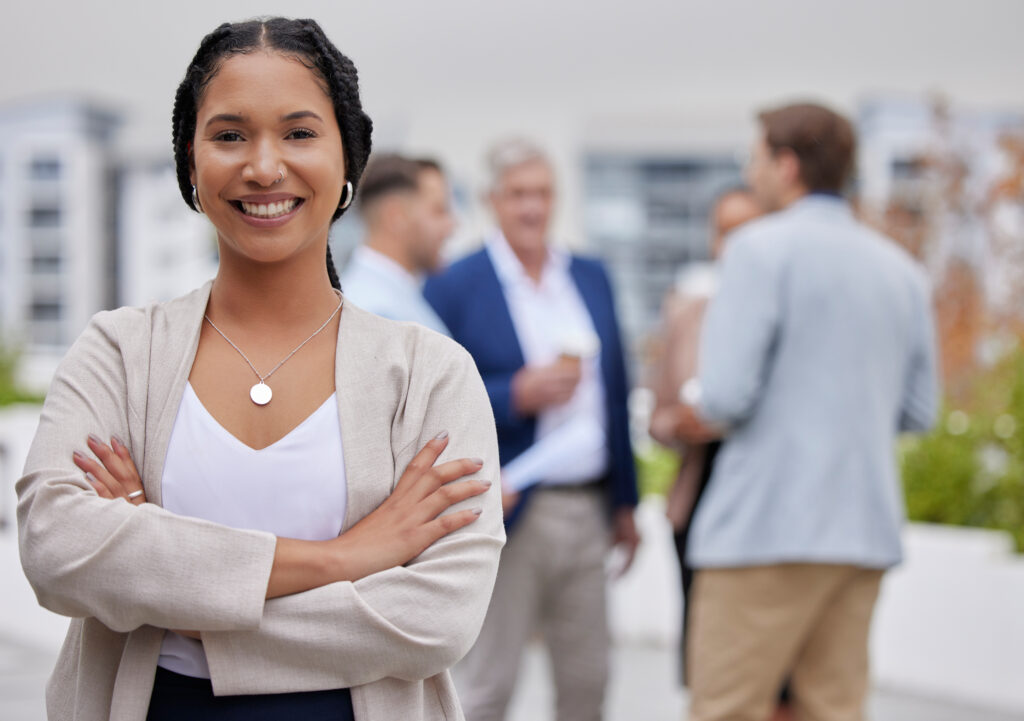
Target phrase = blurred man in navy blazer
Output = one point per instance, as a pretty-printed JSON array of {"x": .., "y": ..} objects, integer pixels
[{"x": 540, "y": 324}]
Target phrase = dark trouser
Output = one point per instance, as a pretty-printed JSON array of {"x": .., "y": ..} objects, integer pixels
[
  {"x": 682, "y": 536},
  {"x": 177, "y": 697}
]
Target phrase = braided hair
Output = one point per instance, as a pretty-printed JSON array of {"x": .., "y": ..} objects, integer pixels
[{"x": 302, "y": 39}]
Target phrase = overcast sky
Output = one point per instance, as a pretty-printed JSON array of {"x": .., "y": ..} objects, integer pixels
[{"x": 607, "y": 58}]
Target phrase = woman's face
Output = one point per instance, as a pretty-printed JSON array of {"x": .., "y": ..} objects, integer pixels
[{"x": 265, "y": 116}]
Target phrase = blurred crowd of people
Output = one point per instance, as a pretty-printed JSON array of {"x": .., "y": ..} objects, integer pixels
[{"x": 788, "y": 367}]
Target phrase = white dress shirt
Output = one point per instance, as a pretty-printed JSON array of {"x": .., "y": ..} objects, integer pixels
[
  {"x": 376, "y": 283},
  {"x": 551, "y": 319}
]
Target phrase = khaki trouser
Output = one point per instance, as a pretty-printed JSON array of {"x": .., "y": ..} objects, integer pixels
[
  {"x": 551, "y": 578},
  {"x": 752, "y": 627}
]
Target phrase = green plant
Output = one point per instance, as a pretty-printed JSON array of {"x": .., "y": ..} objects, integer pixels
[
  {"x": 9, "y": 390},
  {"x": 656, "y": 469},
  {"x": 969, "y": 471}
]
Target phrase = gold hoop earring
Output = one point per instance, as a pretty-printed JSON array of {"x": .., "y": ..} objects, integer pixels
[{"x": 348, "y": 195}]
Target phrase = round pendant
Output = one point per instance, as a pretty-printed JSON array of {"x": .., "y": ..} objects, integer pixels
[{"x": 261, "y": 394}]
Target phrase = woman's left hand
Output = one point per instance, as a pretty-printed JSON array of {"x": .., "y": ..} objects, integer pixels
[{"x": 115, "y": 475}]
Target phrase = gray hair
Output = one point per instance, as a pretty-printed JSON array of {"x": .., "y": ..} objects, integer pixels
[{"x": 511, "y": 153}]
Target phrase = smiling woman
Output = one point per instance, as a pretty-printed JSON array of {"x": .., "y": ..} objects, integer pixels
[
  {"x": 267, "y": 155},
  {"x": 310, "y": 550}
]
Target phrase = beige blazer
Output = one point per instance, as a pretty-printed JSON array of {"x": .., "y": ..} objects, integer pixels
[{"x": 126, "y": 573}]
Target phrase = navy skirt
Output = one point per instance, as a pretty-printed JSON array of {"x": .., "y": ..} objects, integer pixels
[{"x": 177, "y": 697}]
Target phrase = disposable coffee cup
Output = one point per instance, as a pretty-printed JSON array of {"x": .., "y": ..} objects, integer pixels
[{"x": 578, "y": 347}]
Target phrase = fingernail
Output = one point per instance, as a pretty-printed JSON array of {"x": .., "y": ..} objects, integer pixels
[
  {"x": 477, "y": 461},
  {"x": 91, "y": 478},
  {"x": 487, "y": 484},
  {"x": 117, "y": 442},
  {"x": 78, "y": 455},
  {"x": 441, "y": 436},
  {"x": 477, "y": 511},
  {"x": 95, "y": 440}
]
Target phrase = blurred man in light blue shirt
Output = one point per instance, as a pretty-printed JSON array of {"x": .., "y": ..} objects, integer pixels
[
  {"x": 405, "y": 207},
  {"x": 816, "y": 352}
]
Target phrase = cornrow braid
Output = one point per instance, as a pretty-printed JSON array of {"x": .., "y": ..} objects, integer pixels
[
  {"x": 332, "y": 270},
  {"x": 186, "y": 105},
  {"x": 341, "y": 76},
  {"x": 302, "y": 39}
]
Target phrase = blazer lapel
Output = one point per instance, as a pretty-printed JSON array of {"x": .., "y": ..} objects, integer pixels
[
  {"x": 358, "y": 382},
  {"x": 490, "y": 294},
  {"x": 170, "y": 363},
  {"x": 593, "y": 300}
]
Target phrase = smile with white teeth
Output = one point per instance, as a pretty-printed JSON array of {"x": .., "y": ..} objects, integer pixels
[{"x": 269, "y": 210}]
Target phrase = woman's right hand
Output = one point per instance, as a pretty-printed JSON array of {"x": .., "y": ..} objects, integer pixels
[
  {"x": 410, "y": 519},
  {"x": 114, "y": 475}
]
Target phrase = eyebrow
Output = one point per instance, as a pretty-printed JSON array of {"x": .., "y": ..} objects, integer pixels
[
  {"x": 233, "y": 118},
  {"x": 301, "y": 114},
  {"x": 225, "y": 118}
]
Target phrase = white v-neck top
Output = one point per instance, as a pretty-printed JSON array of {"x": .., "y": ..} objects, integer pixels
[{"x": 294, "y": 488}]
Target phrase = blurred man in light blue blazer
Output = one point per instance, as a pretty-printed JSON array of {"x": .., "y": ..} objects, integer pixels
[{"x": 816, "y": 352}]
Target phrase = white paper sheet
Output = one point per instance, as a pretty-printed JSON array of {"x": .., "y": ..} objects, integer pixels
[{"x": 556, "y": 451}]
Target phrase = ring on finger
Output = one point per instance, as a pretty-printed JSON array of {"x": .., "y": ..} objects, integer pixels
[{"x": 135, "y": 494}]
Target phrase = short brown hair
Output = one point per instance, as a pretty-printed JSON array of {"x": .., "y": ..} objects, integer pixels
[
  {"x": 429, "y": 164},
  {"x": 386, "y": 174},
  {"x": 822, "y": 140}
]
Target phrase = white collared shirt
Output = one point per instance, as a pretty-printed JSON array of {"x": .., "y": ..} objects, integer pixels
[
  {"x": 549, "y": 317},
  {"x": 376, "y": 283}
]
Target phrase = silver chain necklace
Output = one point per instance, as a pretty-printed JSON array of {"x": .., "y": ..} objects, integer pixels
[{"x": 261, "y": 393}]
